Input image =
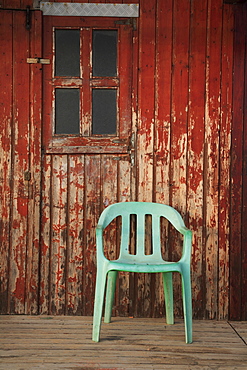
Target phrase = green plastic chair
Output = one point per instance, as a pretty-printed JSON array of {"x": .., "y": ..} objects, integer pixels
[{"x": 140, "y": 262}]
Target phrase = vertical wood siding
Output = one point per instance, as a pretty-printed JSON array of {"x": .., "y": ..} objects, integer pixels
[
  {"x": 183, "y": 124},
  {"x": 238, "y": 258},
  {"x": 196, "y": 132},
  {"x": 20, "y": 162},
  {"x": 224, "y": 161},
  {"x": 5, "y": 154}
]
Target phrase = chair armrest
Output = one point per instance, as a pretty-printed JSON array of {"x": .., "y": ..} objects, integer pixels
[
  {"x": 187, "y": 244},
  {"x": 99, "y": 243}
]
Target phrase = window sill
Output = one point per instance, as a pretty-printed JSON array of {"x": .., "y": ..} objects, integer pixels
[{"x": 87, "y": 146}]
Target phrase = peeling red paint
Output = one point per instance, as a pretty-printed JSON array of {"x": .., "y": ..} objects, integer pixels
[
  {"x": 180, "y": 115},
  {"x": 18, "y": 293},
  {"x": 22, "y": 207}
]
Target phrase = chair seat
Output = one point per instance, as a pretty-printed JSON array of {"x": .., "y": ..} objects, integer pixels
[{"x": 137, "y": 266}]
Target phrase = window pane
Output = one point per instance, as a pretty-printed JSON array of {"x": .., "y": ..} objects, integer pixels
[
  {"x": 104, "y": 111},
  {"x": 104, "y": 53},
  {"x": 67, "y": 111},
  {"x": 67, "y": 55}
]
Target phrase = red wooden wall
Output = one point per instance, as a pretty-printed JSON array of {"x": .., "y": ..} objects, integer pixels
[
  {"x": 20, "y": 162},
  {"x": 238, "y": 215},
  {"x": 189, "y": 152}
]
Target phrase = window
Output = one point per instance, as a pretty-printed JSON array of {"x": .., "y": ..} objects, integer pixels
[{"x": 87, "y": 86}]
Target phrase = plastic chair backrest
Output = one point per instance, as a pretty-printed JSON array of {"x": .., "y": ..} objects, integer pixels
[{"x": 141, "y": 209}]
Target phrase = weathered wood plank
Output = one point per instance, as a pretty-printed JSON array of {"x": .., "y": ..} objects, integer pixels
[
  {"x": 16, "y": 4},
  {"x": 6, "y": 122},
  {"x": 225, "y": 148},
  {"x": 60, "y": 342},
  {"x": 76, "y": 214},
  {"x": 45, "y": 250},
  {"x": 109, "y": 181},
  {"x": 244, "y": 203},
  {"x": 196, "y": 127},
  {"x": 59, "y": 230},
  {"x": 20, "y": 165},
  {"x": 124, "y": 194},
  {"x": 241, "y": 329},
  {"x": 236, "y": 220},
  {"x": 179, "y": 116},
  {"x": 162, "y": 131},
  {"x": 33, "y": 220},
  {"x": 12, "y": 4},
  {"x": 211, "y": 168},
  {"x": 146, "y": 99},
  {"x": 93, "y": 188}
]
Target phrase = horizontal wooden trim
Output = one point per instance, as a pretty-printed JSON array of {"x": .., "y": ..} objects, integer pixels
[
  {"x": 78, "y": 82},
  {"x": 105, "y": 148}
]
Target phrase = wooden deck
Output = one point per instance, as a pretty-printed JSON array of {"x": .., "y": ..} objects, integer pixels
[{"x": 44, "y": 342}]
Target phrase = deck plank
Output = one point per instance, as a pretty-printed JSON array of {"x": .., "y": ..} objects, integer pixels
[
  {"x": 241, "y": 329},
  {"x": 64, "y": 342}
]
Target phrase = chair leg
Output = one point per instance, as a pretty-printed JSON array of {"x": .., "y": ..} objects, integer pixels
[
  {"x": 187, "y": 305},
  {"x": 168, "y": 291},
  {"x": 98, "y": 304},
  {"x": 110, "y": 292}
]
